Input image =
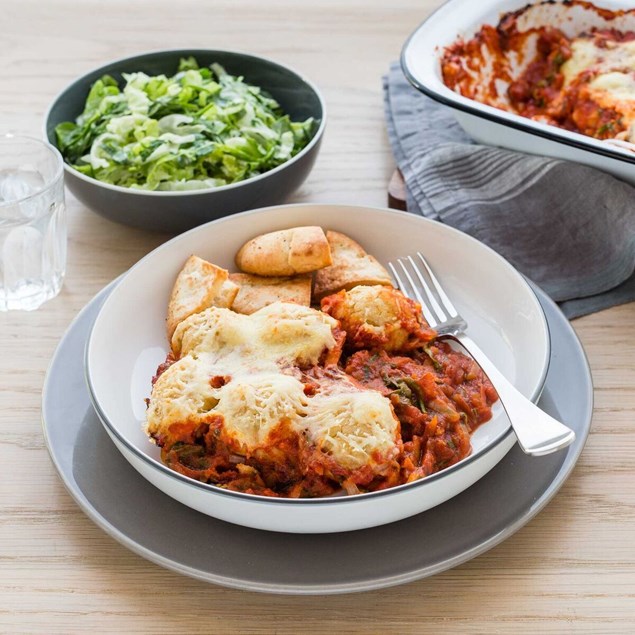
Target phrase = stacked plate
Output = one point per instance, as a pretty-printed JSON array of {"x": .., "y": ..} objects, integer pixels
[{"x": 125, "y": 340}]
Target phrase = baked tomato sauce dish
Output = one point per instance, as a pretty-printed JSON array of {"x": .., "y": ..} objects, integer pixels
[
  {"x": 294, "y": 401},
  {"x": 583, "y": 83}
]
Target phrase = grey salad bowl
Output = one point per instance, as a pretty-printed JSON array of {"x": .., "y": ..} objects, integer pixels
[{"x": 175, "y": 212}]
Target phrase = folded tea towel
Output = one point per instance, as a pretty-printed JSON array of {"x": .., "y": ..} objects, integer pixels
[{"x": 567, "y": 227}]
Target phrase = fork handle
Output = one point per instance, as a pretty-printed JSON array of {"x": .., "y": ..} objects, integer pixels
[{"x": 537, "y": 432}]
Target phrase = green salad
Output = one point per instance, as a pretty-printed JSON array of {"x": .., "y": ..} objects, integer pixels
[{"x": 201, "y": 128}]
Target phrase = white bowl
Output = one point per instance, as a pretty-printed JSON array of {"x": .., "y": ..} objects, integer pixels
[
  {"x": 128, "y": 341},
  {"x": 420, "y": 61}
]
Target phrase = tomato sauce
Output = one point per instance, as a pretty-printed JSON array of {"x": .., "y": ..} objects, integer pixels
[
  {"x": 540, "y": 92},
  {"x": 439, "y": 395}
]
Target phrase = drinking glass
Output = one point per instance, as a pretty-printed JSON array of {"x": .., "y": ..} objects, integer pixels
[{"x": 32, "y": 223}]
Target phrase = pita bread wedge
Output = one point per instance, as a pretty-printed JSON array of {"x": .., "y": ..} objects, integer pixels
[
  {"x": 351, "y": 267},
  {"x": 257, "y": 292},
  {"x": 226, "y": 296},
  {"x": 194, "y": 290},
  {"x": 285, "y": 253}
]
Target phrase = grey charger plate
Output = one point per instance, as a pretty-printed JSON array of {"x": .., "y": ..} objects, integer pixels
[{"x": 134, "y": 512}]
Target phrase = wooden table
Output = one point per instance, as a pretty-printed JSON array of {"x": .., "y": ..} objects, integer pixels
[{"x": 571, "y": 570}]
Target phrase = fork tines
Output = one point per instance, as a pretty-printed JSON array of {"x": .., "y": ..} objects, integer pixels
[{"x": 419, "y": 282}]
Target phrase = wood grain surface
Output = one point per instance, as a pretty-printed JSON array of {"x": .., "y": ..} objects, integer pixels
[{"x": 571, "y": 570}]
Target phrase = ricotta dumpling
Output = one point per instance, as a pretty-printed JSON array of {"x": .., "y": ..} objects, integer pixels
[
  {"x": 378, "y": 317},
  {"x": 249, "y": 353},
  {"x": 357, "y": 428},
  {"x": 215, "y": 331},
  {"x": 182, "y": 394},
  {"x": 253, "y": 407},
  {"x": 245, "y": 403},
  {"x": 586, "y": 55},
  {"x": 293, "y": 333},
  {"x": 283, "y": 333}
]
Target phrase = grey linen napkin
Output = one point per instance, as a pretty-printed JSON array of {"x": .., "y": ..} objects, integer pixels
[{"x": 567, "y": 227}]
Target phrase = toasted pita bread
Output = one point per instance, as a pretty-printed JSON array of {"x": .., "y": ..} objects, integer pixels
[
  {"x": 195, "y": 288},
  {"x": 257, "y": 292},
  {"x": 226, "y": 296},
  {"x": 351, "y": 267},
  {"x": 285, "y": 253}
]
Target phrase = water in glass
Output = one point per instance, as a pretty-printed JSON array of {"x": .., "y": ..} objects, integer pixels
[{"x": 32, "y": 237}]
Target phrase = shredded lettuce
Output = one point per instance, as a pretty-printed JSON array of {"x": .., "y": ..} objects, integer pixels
[{"x": 201, "y": 128}]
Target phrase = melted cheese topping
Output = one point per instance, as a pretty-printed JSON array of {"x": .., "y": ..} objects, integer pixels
[
  {"x": 585, "y": 55},
  {"x": 613, "y": 70},
  {"x": 356, "y": 428},
  {"x": 620, "y": 86},
  {"x": 215, "y": 331},
  {"x": 612, "y": 86},
  {"x": 182, "y": 393},
  {"x": 294, "y": 333},
  {"x": 253, "y": 406},
  {"x": 281, "y": 332},
  {"x": 378, "y": 316}
]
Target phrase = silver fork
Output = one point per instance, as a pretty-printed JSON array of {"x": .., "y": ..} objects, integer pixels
[{"x": 537, "y": 432}]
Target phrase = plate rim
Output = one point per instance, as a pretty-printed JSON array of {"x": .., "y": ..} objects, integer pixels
[
  {"x": 299, "y": 502},
  {"x": 288, "y": 589}
]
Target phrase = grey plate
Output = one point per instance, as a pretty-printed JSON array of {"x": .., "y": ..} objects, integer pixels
[{"x": 153, "y": 525}]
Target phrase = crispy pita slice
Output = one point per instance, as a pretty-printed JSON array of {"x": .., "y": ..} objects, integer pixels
[
  {"x": 257, "y": 292},
  {"x": 285, "y": 253},
  {"x": 351, "y": 267},
  {"x": 226, "y": 296},
  {"x": 195, "y": 288}
]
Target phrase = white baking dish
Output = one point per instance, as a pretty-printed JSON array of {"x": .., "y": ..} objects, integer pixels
[{"x": 455, "y": 19}]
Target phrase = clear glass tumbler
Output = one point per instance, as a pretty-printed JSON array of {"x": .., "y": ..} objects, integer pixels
[{"x": 32, "y": 223}]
